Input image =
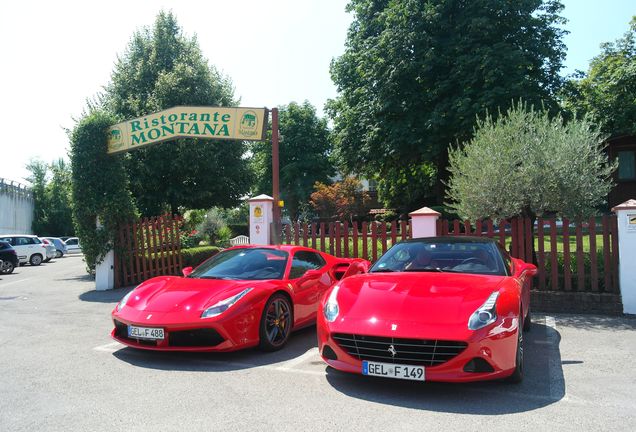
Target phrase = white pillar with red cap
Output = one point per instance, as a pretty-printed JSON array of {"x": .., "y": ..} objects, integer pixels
[
  {"x": 626, "y": 214},
  {"x": 424, "y": 222},
  {"x": 261, "y": 218}
]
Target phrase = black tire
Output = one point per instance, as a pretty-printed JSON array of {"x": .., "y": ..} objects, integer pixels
[
  {"x": 36, "y": 259},
  {"x": 527, "y": 323},
  {"x": 58, "y": 254},
  {"x": 47, "y": 260},
  {"x": 276, "y": 323},
  {"x": 517, "y": 375},
  {"x": 7, "y": 267}
]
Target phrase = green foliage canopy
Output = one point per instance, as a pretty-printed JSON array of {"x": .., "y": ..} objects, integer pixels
[
  {"x": 52, "y": 196},
  {"x": 607, "y": 93},
  {"x": 304, "y": 151},
  {"x": 163, "y": 68},
  {"x": 99, "y": 187},
  {"x": 528, "y": 164},
  {"x": 415, "y": 74}
]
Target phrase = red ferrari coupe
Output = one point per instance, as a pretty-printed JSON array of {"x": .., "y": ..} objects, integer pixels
[
  {"x": 435, "y": 309},
  {"x": 242, "y": 297}
]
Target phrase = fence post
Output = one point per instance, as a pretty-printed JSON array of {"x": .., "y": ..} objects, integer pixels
[
  {"x": 626, "y": 214},
  {"x": 424, "y": 222},
  {"x": 105, "y": 270}
]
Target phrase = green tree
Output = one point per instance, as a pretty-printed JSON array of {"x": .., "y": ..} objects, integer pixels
[
  {"x": 304, "y": 152},
  {"x": 38, "y": 178},
  {"x": 58, "y": 190},
  {"x": 213, "y": 226},
  {"x": 528, "y": 164},
  {"x": 99, "y": 187},
  {"x": 415, "y": 74},
  {"x": 163, "y": 68},
  {"x": 607, "y": 93}
]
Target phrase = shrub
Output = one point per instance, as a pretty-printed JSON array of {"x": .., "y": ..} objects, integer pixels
[
  {"x": 213, "y": 225},
  {"x": 192, "y": 257},
  {"x": 239, "y": 229}
]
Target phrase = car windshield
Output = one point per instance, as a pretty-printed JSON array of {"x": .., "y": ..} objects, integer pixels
[
  {"x": 442, "y": 256},
  {"x": 244, "y": 264}
]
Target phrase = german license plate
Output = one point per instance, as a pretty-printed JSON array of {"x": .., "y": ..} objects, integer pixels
[
  {"x": 145, "y": 333},
  {"x": 391, "y": 370}
]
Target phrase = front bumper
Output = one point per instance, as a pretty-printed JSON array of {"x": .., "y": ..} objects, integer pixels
[
  {"x": 236, "y": 331},
  {"x": 495, "y": 344}
]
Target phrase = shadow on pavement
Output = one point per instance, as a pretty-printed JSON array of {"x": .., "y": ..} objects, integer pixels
[
  {"x": 299, "y": 343},
  {"x": 110, "y": 296},
  {"x": 543, "y": 385},
  {"x": 83, "y": 278}
]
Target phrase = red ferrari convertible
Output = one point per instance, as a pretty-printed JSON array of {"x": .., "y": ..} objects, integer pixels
[
  {"x": 435, "y": 309},
  {"x": 242, "y": 297}
]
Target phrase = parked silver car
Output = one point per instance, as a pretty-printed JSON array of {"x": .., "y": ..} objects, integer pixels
[
  {"x": 50, "y": 249},
  {"x": 73, "y": 245},
  {"x": 60, "y": 246}
]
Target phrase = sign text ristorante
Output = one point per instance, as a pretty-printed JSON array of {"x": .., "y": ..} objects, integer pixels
[{"x": 188, "y": 122}]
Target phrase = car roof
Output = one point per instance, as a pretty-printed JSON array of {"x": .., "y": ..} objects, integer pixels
[
  {"x": 283, "y": 247},
  {"x": 452, "y": 239}
]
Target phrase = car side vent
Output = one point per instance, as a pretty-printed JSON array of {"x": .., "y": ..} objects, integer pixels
[{"x": 478, "y": 365}]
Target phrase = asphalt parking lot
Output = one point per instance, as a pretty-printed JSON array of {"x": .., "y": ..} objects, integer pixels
[{"x": 59, "y": 370}]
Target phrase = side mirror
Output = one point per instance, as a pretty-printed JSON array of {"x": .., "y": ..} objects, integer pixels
[
  {"x": 312, "y": 274},
  {"x": 531, "y": 269},
  {"x": 186, "y": 271},
  {"x": 524, "y": 267}
]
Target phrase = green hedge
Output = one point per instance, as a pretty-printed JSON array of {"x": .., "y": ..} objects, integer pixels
[
  {"x": 192, "y": 257},
  {"x": 239, "y": 229}
]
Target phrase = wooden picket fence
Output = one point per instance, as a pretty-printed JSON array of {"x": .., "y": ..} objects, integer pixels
[
  {"x": 368, "y": 240},
  {"x": 578, "y": 256},
  {"x": 147, "y": 248}
]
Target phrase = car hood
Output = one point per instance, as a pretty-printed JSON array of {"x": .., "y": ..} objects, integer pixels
[
  {"x": 439, "y": 299},
  {"x": 177, "y": 294}
]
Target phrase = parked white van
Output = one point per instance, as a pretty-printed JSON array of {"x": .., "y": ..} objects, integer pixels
[{"x": 29, "y": 248}]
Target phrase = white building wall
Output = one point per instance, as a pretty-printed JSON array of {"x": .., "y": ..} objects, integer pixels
[{"x": 16, "y": 208}]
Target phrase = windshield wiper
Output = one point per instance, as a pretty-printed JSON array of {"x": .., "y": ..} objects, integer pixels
[
  {"x": 383, "y": 270},
  {"x": 212, "y": 277},
  {"x": 429, "y": 269}
]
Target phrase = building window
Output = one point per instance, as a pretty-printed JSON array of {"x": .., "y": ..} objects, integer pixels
[
  {"x": 627, "y": 165},
  {"x": 373, "y": 185}
]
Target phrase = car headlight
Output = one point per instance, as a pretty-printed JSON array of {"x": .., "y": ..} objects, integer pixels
[
  {"x": 331, "y": 309},
  {"x": 485, "y": 314},
  {"x": 223, "y": 305},
  {"x": 123, "y": 301}
]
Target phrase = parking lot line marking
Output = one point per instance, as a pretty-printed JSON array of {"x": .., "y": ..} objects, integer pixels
[
  {"x": 15, "y": 282},
  {"x": 557, "y": 381},
  {"x": 298, "y": 360},
  {"x": 109, "y": 347}
]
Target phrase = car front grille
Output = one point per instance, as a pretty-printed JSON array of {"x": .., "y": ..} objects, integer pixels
[
  {"x": 195, "y": 338},
  {"x": 422, "y": 352},
  {"x": 183, "y": 338}
]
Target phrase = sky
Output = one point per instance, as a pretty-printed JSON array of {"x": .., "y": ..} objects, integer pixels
[{"x": 58, "y": 54}]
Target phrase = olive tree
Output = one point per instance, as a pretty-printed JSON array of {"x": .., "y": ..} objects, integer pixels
[{"x": 526, "y": 163}]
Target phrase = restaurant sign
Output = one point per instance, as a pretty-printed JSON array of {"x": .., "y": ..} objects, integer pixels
[{"x": 188, "y": 122}]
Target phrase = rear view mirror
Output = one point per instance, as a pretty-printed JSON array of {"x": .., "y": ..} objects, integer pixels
[{"x": 186, "y": 271}]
